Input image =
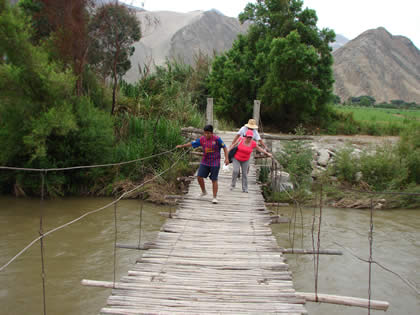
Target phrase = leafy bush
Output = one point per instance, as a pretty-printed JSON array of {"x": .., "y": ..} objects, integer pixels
[
  {"x": 346, "y": 165},
  {"x": 409, "y": 149},
  {"x": 43, "y": 125},
  {"x": 384, "y": 169},
  {"x": 296, "y": 160},
  {"x": 340, "y": 123}
]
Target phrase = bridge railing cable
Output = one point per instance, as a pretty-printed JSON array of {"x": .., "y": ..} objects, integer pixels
[
  {"x": 82, "y": 167},
  {"x": 125, "y": 194}
]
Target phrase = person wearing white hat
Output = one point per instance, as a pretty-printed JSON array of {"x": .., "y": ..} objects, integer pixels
[
  {"x": 251, "y": 125},
  {"x": 241, "y": 159}
]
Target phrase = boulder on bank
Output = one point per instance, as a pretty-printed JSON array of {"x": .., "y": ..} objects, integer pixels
[
  {"x": 323, "y": 157},
  {"x": 281, "y": 182}
]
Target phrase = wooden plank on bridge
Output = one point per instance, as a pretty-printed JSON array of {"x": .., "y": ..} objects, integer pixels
[{"x": 211, "y": 259}]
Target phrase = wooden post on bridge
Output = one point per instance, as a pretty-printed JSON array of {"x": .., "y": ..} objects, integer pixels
[
  {"x": 209, "y": 112},
  {"x": 256, "y": 114}
]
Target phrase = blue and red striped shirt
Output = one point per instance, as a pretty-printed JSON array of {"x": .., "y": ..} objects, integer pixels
[{"x": 211, "y": 149}]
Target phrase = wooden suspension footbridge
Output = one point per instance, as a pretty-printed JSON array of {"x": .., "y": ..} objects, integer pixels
[{"x": 210, "y": 259}]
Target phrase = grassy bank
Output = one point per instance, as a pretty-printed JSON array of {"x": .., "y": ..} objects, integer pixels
[
  {"x": 352, "y": 174},
  {"x": 373, "y": 121}
]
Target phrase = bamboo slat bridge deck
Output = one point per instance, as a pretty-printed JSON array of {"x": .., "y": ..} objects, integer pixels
[{"x": 211, "y": 259}]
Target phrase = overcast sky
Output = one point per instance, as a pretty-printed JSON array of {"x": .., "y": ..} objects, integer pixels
[{"x": 346, "y": 17}]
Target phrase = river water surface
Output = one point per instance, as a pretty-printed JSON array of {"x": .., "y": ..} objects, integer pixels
[{"x": 85, "y": 250}]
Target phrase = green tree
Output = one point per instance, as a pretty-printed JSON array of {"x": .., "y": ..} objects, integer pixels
[
  {"x": 336, "y": 99},
  {"x": 63, "y": 25},
  {"x": 30, "y": 86},
  {"x": 364, "y": 100},
  {"x": 42, "y": 123},
  {"x": 284, "y": 60},
  {"x": 113, "y": 30}
]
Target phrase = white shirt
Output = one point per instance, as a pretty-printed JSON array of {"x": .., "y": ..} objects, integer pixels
[{"x": 244, "y": 129}]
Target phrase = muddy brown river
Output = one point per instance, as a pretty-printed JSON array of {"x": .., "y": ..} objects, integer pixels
[{"x": 85, "y": 250}]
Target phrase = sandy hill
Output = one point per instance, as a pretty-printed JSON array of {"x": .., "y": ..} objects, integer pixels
[
  {"x": 181, "y": 36},
  {"x": 380, "y": 65}
]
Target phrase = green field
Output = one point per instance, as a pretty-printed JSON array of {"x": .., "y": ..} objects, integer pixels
[
  {"x": 381, "y": 121},
  {"x": 381, "y": 114}
]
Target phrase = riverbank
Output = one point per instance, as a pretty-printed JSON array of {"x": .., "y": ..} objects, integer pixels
[
  {"x": 337, "y": 192},
  {"x": 349, "y": 167}
]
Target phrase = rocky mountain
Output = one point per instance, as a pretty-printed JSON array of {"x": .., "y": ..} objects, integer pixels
[
  {"x": 340, "y": 41},
  {"x": 376, "y": 63},
  {"x": 181, "y": 36},
  {"x": 380, "y": 65}
]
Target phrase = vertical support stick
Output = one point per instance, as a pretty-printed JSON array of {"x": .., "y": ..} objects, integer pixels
[
  {"x": 370, "y": 252},
  {"x": 318, "y": 244},
  {"x": 272, "y": 175},
  {"x": 313, "y": 237},
  {"x": 115, "y": 242},
  {"x": 209, "y": 112},
  {"x": 41, "y": 233},
  {"x": 256, "y": 114},
  {"x": 140, "y": 220}
]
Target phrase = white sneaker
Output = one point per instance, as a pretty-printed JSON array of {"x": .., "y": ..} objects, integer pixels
[{"x": 214, "y": 200}]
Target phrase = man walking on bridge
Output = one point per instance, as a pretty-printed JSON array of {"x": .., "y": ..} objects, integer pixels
[{"x": 210, "y": 164}]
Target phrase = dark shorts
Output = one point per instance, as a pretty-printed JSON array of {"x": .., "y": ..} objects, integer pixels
[{"x": 205, "y": 170}]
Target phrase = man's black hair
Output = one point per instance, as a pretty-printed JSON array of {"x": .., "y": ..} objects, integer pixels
[{"x": 208, "y": 128}]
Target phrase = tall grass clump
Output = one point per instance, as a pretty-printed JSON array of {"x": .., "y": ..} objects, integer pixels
[
  {"x": 409, "y": 150},
  {"x": 381, "y": 169},
  {"x": 141, "y": 138},
  {"x": 384, "y": 169},
  {"x": 346, "y": 166},
  {"x": 296, "y": 159},
  {"x": 340, "y": 123},
  {"x": 175, "y": 91}
]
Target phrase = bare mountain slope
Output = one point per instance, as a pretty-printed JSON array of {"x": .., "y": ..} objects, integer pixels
[
  {"x": 181, "y": 36},
  {"x": 380, "y": 65},
  {"x": 212, "y": 32}
]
